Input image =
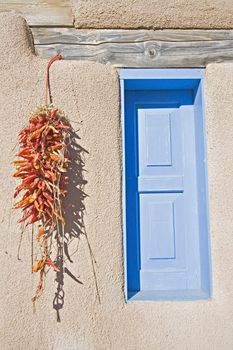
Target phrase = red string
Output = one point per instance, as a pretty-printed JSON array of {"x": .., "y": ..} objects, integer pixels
[{"x": 47, "y": 83}]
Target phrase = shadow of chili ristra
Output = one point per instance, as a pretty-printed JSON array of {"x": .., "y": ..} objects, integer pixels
[{"x": 74, "y": 210}]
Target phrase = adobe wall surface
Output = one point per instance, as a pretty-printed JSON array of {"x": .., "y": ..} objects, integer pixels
[
  {"x": 133, "y": 14},
  {"x": 89, "y": 94}
]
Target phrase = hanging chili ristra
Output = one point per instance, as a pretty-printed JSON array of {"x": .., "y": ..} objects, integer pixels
[{"x": 41, "y": 165}]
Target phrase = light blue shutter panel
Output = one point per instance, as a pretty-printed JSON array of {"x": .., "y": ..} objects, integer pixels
[{"x": 168, "y": 207}]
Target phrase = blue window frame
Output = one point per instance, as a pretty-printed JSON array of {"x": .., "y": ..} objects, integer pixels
[{"x": 165, "y": 202}]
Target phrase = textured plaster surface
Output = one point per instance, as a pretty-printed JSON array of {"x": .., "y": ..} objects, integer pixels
[
  {"x": 132, "y": 14},
  {"x": 89, "y": 94}
]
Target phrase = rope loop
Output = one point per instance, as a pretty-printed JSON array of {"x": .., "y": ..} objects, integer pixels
[{"x": 48, "y": 96}]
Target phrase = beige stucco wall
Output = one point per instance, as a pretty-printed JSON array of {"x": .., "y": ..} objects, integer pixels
[
  {"x": 89, "y": 94},
  {"x": 153, "y": 13}
]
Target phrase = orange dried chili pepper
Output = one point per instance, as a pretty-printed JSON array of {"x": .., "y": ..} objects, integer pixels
[{"x": 40, "y": 233}]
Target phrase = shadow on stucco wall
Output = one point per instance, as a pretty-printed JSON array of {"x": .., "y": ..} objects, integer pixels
[{"x": 74, "y": 210}]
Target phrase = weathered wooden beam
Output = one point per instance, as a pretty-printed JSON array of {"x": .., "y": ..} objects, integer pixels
[
  {"x": 47, "y": 13},
  {"x": 137, "y": 48}
]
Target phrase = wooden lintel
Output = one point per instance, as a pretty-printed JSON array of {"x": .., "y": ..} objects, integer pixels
[{"x": 137, "y": 48}]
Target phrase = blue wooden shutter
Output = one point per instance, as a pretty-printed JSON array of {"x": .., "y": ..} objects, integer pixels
[{"x": 167, "y": 249}]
